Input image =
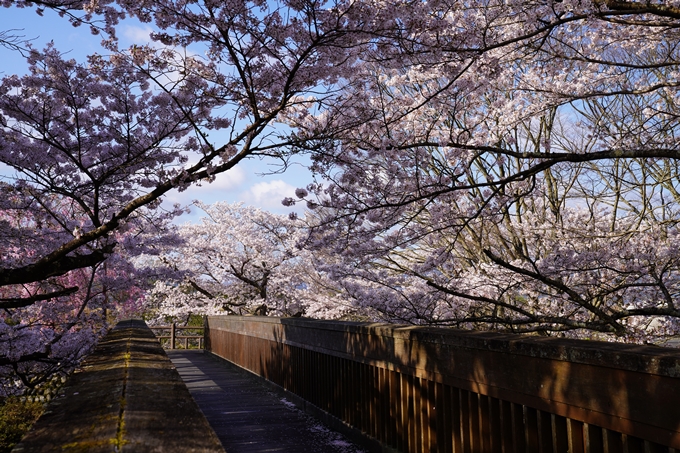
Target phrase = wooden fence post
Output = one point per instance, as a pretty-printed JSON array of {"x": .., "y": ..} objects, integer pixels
[
  {"x": 172, "y": 336},
  {"x": 203, "y": 342}
]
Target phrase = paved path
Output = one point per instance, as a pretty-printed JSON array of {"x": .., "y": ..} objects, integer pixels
[{"x": 246, "y": 415}]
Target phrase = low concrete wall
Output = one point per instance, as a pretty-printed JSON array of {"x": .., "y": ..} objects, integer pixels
[
  {"x": 426, "y": 389},
  {"x": 128, "y": 397}
]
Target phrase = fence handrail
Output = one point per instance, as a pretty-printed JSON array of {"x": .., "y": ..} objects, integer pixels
[{"x": 169, "y": 326}]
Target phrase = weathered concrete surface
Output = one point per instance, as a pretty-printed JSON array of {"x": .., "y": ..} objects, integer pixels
[
  {"x": 246, "y": 415},
  {"x": 127, "y": 398}
]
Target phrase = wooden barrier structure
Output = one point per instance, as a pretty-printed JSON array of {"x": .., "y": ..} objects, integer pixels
[
  {"x": 415, "y": 389},
  {"x": 169, "y": 340},
  {"x": 128, "y": 397}
]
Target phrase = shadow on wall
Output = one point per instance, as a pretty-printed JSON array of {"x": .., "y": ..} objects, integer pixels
[{"x": 418, "y": 389}]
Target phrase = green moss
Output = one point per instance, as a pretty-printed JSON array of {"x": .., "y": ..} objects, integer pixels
[
  {"x": 119, "y": 441},
  {"x": 83, "y": 446},
  {"x": 16, "y": 418}
]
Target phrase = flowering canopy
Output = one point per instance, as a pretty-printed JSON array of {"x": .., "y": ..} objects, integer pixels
[
  {"x": 499, "y": 163},
  {"x": 510, "y": 165}
]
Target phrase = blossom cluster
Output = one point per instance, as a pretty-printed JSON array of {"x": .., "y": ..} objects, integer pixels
[{"x": 243, "y": 260}]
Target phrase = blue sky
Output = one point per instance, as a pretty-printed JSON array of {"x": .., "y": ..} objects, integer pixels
[{"x": 246, "y": 183}]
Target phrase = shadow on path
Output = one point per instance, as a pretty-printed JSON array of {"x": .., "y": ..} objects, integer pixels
[{"x": 246, "y": 415}]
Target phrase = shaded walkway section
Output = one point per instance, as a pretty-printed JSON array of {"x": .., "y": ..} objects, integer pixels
[{"x": 246, "y": 415}]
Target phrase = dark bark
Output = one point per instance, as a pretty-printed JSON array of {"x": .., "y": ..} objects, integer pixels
[
  {"x": 18, "y": 302},
  {"x": 44, "y": 269}
]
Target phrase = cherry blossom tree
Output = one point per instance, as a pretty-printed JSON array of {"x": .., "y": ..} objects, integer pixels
[
  {"x": 508, "y": 165},
  {"x": 88, "y": 149},
  {"x": 80, "y": 143},
  {"x": 51, "y": 336},
  {"x": 436, "y": 128},
  {"x": 112, "y": 136},
  {"x": 525, "y": 273},
  {"x": 243, "y": 260}
]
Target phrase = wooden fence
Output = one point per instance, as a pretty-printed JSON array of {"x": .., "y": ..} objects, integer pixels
[
  {"x": 423, "y": 390},
  {"x": 170, "y": 334}
]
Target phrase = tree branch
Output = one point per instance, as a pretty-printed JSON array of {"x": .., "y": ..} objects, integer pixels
[{"x": 19, "y": 302}]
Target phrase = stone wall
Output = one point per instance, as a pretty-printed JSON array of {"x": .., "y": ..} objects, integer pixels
[{"x": 127, "y": 397}]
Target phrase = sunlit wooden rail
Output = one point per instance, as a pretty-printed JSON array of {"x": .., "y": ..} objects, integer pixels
[
  {"x": 170, "y": 335},
  {"x": 411, "y": 389}
]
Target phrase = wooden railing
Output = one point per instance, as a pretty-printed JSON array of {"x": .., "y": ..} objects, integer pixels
[
  {"x": 127, "y": 397},
  {"x": 411, "y": 389},
  {"x": 177, "y": 334}
]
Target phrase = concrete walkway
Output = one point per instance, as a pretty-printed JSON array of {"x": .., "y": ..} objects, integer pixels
[{"x": 246, "y": 415}]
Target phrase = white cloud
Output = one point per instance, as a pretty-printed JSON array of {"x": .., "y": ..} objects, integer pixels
[
  {"x": 264, "y": 195},
  {"x": 245, "y": 183},
  {"x": 224, "y": 187},
  {"x": 137, "y": 34},
  {"x": 268, "y": 195},
  {"x": 228, "y": 181}
]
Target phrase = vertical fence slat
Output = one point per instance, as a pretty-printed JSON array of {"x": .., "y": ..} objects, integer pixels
[
  {"x": 351, "y": 393},
  {"x": 559, "y": 433},
  {"x": 632, "y": 444},
  {"x": 393, "y": 428},
  {"x": 419, "y": 408},
  {"x": 456, "y": 421},
  {"x": 366, "y": 402},
  {"x": 531, "y": 428},
  {"x": 506, "y": 437},
  {"x": 411, "y": 413},
  {"x": 545, "y": 432},
  {"x": 496, "y": 435},
  {"x": 475, "y": 428},
  {"x": 465, "y": 419},
  {"x": 446, "y": 413},
  {"x": 383, "y": 401},
  {"x": 377, "y": 414},
  {"x": 575, "y": 435},
  {"x": 335, "y": 373},
  {"x": 440, "y": 418},
  {"x": 484, "y": 423},
  {"x": 593, "y": 439},
  {"x": 328, "y": 381},
  {"x": 401, "y": 420},
  {"x": 518, "y": 436},
  {"x": 431, "y": 416},
  {"x": 343, "y": 410}
]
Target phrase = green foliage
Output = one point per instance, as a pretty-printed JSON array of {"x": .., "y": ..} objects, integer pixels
[
  {"x": 16, "y": 418},
  {"x": 195, "y": 321}
]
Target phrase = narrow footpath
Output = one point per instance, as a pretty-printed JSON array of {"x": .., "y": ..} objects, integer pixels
[{"x": 246, "y": 415}]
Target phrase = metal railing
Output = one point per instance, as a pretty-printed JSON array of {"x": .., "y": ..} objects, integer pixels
[{"x": 172, "y": 335}]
